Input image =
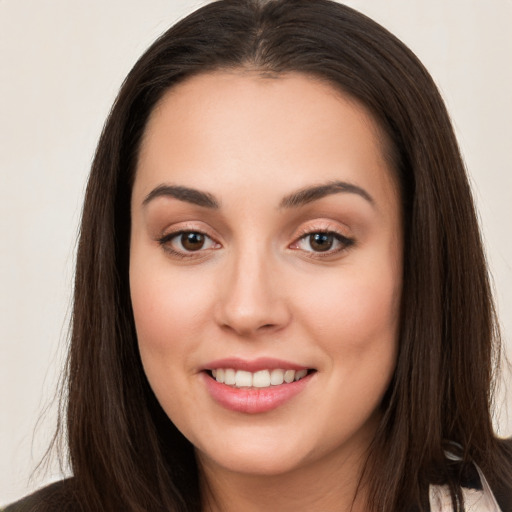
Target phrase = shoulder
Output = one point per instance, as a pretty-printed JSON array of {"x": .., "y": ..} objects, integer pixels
[
  {"x": 503, "y": 492},
  {"x": 56, "y": 497},
  {"x": 497, "y": 491},
  {"x": 479, "y": 493}
]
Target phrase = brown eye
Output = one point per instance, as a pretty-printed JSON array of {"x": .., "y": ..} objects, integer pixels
[
  {"x": 327, "y": 242},
  {"x": 192, "y": 241},
  {"x": 185, "y": 243},
  {"x": 321, "y": 242}
]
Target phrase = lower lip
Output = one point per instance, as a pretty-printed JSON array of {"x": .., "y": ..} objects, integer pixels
[{"x": 254, "y": 400}]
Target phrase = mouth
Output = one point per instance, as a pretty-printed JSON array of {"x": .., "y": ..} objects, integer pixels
[
  {"x": 265, "y": 378},
  {"x": 255, "y": 386}
]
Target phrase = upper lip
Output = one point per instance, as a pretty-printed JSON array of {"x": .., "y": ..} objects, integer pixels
[{"x": 254, "y": 365}]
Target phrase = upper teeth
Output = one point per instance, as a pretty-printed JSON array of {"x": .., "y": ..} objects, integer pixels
[{"x": 260, "y": 379}]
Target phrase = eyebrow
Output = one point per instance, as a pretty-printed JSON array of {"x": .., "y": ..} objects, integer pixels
[
  {"x": 293, "y": 200},
  {"x": 309, "y": 194},
  {"x": 189, "y": 195}
]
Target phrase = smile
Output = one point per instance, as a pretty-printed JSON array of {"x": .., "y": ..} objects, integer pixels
[
  {"x": 259, "y": 379},
  {"x": 255, "y": 387}
]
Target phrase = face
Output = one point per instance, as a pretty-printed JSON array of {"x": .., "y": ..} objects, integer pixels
[{"x": 265, "y": 269}]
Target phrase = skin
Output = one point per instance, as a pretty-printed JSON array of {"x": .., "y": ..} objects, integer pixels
[{"x": 259, "y": 288}]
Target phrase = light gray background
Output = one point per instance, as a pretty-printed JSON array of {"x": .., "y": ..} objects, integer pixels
[{"x": 62, "y": 63}]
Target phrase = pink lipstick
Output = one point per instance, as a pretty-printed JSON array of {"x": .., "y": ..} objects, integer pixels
[{"x": 255, "y": 386}]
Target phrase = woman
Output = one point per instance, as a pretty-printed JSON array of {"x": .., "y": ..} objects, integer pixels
[{"x": 273, "y": 306}]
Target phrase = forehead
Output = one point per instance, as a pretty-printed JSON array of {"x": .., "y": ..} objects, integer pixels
[{"x": 217, "y": 127}]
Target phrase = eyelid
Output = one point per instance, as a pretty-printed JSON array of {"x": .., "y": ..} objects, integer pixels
[
  {"x": 321, "y": 226},
  {"x": 186, "y": 226},
  {"x": 307, "y": 229},
  {"x": 169, "y": 234},
  {"x": 327, "y": 227}
]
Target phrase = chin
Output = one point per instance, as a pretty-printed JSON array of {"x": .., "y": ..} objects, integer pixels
[
  {"x": 257, "y": 450},
  {"x": 255, "y": 462}
]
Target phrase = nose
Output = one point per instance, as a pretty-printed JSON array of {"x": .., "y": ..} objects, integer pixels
[{"x": 251, "y": 296}]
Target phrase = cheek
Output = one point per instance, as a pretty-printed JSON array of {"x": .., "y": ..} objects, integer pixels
[
  {"x": 168, "y": 311},
  {"x": 354, "y": 320},
  {"x": 356, "y": 309},
  {"x": 169, "y": 308}
]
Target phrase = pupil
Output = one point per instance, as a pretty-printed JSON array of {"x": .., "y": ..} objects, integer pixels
[
  {"x": 192, "y": 241},
  {"x": 321, "y": 241}
]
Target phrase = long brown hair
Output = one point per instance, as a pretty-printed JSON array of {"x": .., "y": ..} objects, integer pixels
[{"x": 124, "y": 452}]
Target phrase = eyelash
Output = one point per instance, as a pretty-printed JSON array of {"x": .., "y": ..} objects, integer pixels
[
  {"x": 344, "y": 241},
  {"x": 165, "y": 243}
]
